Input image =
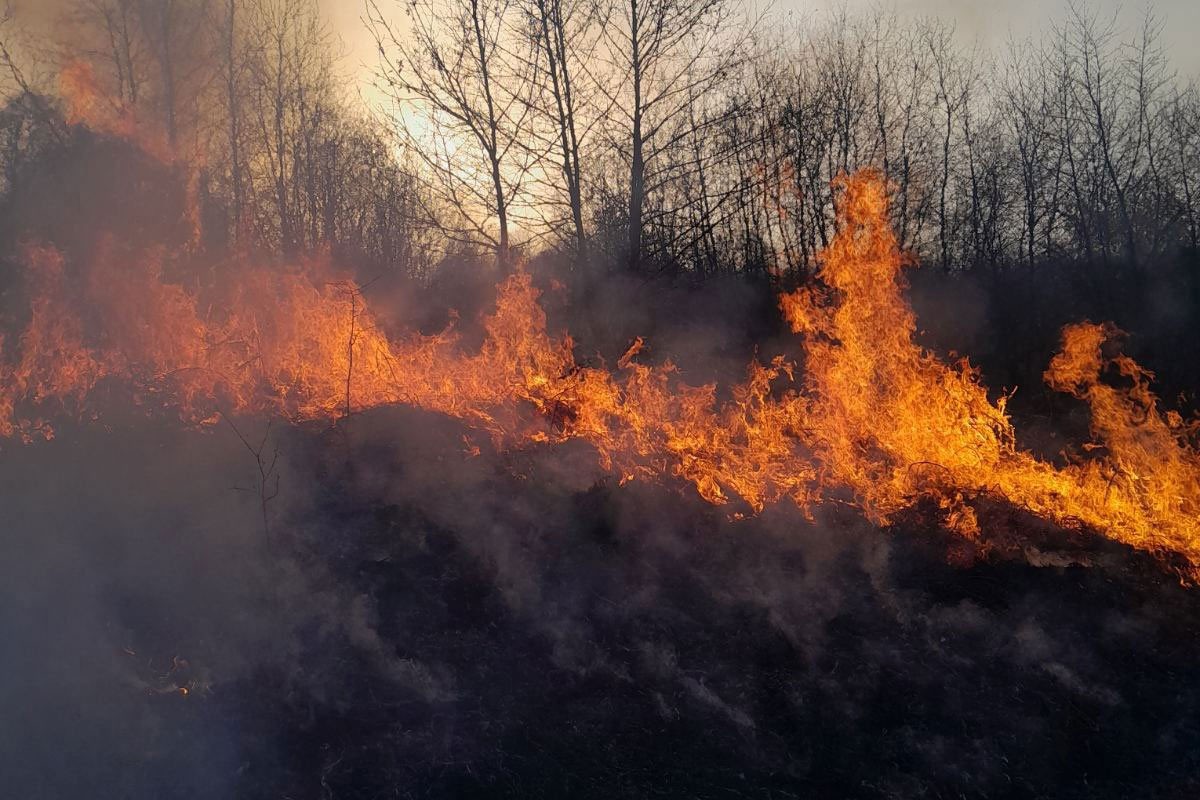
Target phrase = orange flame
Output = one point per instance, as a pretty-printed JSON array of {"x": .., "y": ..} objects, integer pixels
[
  {"x": 892, "y": 422},
  {"x": 874, "y": 415},
  {"x": 88, "y": 104}
]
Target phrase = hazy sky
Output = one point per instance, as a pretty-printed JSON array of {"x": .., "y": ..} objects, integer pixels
[{"x": 988, "y": 22}]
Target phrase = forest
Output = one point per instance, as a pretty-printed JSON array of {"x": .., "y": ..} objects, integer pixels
[
  {"x": 671, "y": 140},
  {"x": 665, "y": 137}
]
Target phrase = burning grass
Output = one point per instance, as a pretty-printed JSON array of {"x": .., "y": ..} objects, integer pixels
[{"x": 874, "y": 416}]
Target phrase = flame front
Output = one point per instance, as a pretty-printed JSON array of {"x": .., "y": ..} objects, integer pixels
[
  {"x": 874, "y": 415},
  {"x": 892, "y": 422}
]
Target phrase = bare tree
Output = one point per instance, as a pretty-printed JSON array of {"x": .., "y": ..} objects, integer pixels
[
  {"x": 663, "y": 54},
  {"x": 169, "y": 30},
  {"x": 234, "y": 64},
  {"x": 1183, "y": 123},
  {"x": 291, "y": 86},
  {"x": 952, "y": 79},
  {"x": 463, "y": 104},
  {"x": 111, "y": 34},
  {"x": 565, "y": 35}
]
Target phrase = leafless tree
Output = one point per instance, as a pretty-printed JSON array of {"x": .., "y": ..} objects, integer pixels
[
  {"x": 662, "y": 56},
  {"x": 463, "y": 101},
  {"x": 565, "y": 34}
]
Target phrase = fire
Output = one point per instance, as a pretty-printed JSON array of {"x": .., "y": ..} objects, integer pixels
[
  {"x": 873, "y": 416},
  {"x": 89, "y": 104},
  {"x": 1147, "y": 481},
  {"x": 891, "y": 422}
]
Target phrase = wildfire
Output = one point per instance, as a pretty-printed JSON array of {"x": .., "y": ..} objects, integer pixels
[
  {"x": 892, "y": 422},
  {"x": 87, "y": 103},
  {"x": 874, "y": 414}
]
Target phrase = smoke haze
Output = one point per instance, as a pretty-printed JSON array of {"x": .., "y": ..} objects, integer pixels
[{"x": 240, "y": 557}]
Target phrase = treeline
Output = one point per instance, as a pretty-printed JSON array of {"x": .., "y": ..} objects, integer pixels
[
  {"x": 683, "y": 136},
  {"x": 678, "y": 136},
  {"x": 243, "y": 94}
]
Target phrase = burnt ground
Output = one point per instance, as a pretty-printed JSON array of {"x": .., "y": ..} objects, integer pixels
[{"x": 421, "y": 623}]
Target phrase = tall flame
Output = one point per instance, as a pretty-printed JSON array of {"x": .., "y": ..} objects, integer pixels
[
  {"x": 892, "y": 422},
  {"x": 874, "y": 415}
]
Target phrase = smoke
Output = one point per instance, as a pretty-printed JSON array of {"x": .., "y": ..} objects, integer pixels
[
  {"x": 387, "y": 613},
  {"x": 426, "y": 621},
  {"x": 138, "y": 595},
  {"x": 108, "y": 577}
]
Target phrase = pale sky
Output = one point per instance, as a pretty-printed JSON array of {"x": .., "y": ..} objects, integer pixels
[{"x": 988, "y": 22}]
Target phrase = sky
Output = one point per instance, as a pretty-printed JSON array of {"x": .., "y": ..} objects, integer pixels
[{"x": 990, "y": 23}]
